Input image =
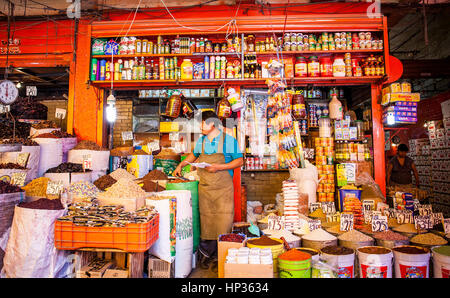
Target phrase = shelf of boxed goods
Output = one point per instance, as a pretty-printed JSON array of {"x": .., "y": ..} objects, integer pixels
[
  {"x": 305, "y": 81},
  {"x": 419, "y": 152}
]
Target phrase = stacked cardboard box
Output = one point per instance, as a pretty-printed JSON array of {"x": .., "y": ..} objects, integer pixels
[
  {"x": 439, "y": 135},
  {"x": 400, "y": 103},
  {"x": 419, "y": 151}
]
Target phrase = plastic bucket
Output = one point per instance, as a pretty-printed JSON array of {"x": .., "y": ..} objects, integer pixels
[
  {"x": 344, "y": 263},
  {"x": 413, "y": 263},
  {"x": 294, "y": 269},
  {"x": 441, "y": 261},
  {"x": 276, "y": 251},
  {"x": 375, "y": 262}
]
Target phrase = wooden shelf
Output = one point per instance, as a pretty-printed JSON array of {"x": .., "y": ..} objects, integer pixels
[
  {"x": 362, "y": 51},
  {"x": 324, "y": 81}
]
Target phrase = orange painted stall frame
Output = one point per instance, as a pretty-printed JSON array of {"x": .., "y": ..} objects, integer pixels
[{"x": 131, "y": 238}]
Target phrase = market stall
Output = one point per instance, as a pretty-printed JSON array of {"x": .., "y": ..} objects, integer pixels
[{"x": 287, "y": 89}]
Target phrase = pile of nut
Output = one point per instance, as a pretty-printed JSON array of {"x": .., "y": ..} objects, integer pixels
[{"x": 89, "y": 214}]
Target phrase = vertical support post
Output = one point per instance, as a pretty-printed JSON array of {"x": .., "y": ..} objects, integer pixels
[{"x": 378, "y": 139}]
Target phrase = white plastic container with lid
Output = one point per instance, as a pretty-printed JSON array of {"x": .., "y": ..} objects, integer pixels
[
  {"x": 335, "y": 107},
  {"x": 339, "y": 67}
]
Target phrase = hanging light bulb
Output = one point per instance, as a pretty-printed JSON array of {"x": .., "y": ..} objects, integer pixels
[
  {"x": 111, "y": 113},
  {"x": 391, "y": 119},
  {"x": 19, "y": 85}
]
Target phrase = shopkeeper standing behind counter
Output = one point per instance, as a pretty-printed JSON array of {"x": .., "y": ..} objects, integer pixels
[
  {"x": 400, "y": 168},
  {"x": 215, "y": 190}
]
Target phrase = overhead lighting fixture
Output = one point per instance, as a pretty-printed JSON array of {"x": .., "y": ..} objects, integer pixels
[
  {"x": 111, "y": 113},
  {"x": 19, "y": 85}
]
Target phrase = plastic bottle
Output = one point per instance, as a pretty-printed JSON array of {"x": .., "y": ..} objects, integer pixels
[
  {"x": 186, "y": 70},
  {"x": 335, "y": 108},
  {"x": 339, "y": 67}
]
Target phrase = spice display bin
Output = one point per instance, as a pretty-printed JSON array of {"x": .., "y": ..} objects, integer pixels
[{"x": 131, "y": 238}]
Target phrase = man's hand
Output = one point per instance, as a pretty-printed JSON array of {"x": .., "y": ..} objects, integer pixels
[
  {"x": 214, "y": 168},
  {"x": 177, "y": 172}
]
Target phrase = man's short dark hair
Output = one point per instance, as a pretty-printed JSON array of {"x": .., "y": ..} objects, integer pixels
[
  {"x": 211, "y": 116},
  {"x": 403, "y": 148}
]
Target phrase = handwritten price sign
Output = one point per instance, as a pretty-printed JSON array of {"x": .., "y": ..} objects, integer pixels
[
  {"x": 368, "y": 205},
  {"x": 314, "y": 224},
  {"x": 333, "y": 217},
  {"x": 404, "y": 216},
  {"x": 446, "y": 223},
  {"x": 423, "y": 222},
  {"x": 276, "y": 223},
  {"x": 87, "y": 162},
  {"x": 328, "y": 207},
  {"x": 313, "y": 207},
  {"x": 438, "y": 218},
  {"x": 379, "y": 223},
  {"x": 347, "y": 221},
  {"x": 54, "y": 188},
  {"x": 389, "y": 212}
]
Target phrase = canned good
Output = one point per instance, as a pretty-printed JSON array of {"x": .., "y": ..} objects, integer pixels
[
  {"x": 318, "y": 142},
  {"x": 287, "y": 46},
  {"x": 362, "y": 35},
  {"x": 330, "y": 197},
  {"x": 322, "y": 197},
  {"x": 320, "y": 151},
  {"x": 293, "y": 37},
  {"x": 299, "y": 38},
  {"x": 320, "y": 188}
]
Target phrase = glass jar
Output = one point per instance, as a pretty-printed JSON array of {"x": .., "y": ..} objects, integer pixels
[
  {"x": 301, "y": 67},
  {"x": 326, "y": 67},
  {"x": 251, "y": 43},
  {"x": 298, "y": 105},
  {"x": 313, "y": 67}
]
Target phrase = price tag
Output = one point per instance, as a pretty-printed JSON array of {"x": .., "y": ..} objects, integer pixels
[
  {"x": 174, "y": 136},
  {"x": 404, "y": 216},
  {"x": 314, "y": 224},
  {"x": 22, "y": 159},
  {"x": 276, "y": 222},
  {"x": 416, "y": 204},
  {"x": 368, "y": 205},
  {"x": 425, "y": 210},
  {"x": 54, "y": 188},
  {"x": 438, "y": 218},
  {"x": 313, "y": 207},
  {"x": 333, "y": 217},
  {"x": 350, "y": 172},
  {"x": 446, "y": 224},
  {"x": 4, "y": 109},
  {"x": 347, "y": 220},
  {"x": 127, "y": 136},
  {"x": 368, "y": 216},
  {"x": 60, "y": 113},
  {"x": 328, "y": 207},
  {"x": 379, "y": 223},
  {"x": 31, "y": 91},
  {"x": 389, "y": 212},
  {"x": 153, "y": 146},
  {"x": 87, "y": 162},
  {"x": 18, "y": 179},
  {"x": 382, "y": 206},
  {"x": 423, "y": 222}
]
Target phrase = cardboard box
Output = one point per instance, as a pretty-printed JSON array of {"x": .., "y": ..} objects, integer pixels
[
  {"x": 445, "y": 108},
  {"x": 222, "y": 252},
  {"x": 116, "y": 273},
  {"x": 248, "y": 271},
  {"x": 129, "y": 204},
  {"x": 95, "y": 269},
  {"x": 158, "y": 268},
  {"x": 394, "y": 97}
]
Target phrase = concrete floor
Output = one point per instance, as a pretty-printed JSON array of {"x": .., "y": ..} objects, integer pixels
[{"x": 202, "y": 273}]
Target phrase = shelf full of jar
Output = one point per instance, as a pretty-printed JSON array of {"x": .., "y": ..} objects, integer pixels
[
  {"x": 304, "y": 81},
  {"x": 187, "y": 55}
]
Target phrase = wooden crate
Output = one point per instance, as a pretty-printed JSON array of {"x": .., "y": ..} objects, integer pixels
[{"x": 133, "y": 262}]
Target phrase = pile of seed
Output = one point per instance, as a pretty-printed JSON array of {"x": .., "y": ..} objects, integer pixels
[
  {"x": 89, "y": 145},
  {"x": 43, "y": 204},
  {"x": 354, "y": 236},
  {"x": 389, "y": 235},
  {"x": 37, "y": 187},
  {"x": 11, "y": 166},
  {"x": 429, "y": 239},
  {"x": 122, "y": 174},
  {"x": 6, "y": 187},
  {"x": 83, "y": 189},
  {"x": 123, "y": 188},
  {"x": 24, "y": 142},
  {"x": 67, "y": 167}
]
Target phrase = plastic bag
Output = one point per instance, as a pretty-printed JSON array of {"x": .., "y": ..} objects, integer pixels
[
  {"x": 365, "y": 179},
  {"x": 166, "y": 165},
  {"x": 307, "y": 180},
  {"x": 31, "y": 252}
]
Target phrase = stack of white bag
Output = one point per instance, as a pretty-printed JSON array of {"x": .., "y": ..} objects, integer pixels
[
  {"x": 100, "y": 160},
  {"x": 307, "y": 180},
  {"x": 175, "y": 213},
  {"x": 291, "y": 196}
]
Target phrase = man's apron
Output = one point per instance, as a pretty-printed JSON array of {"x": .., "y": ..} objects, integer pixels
[{"x": 216, "y": 196}]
